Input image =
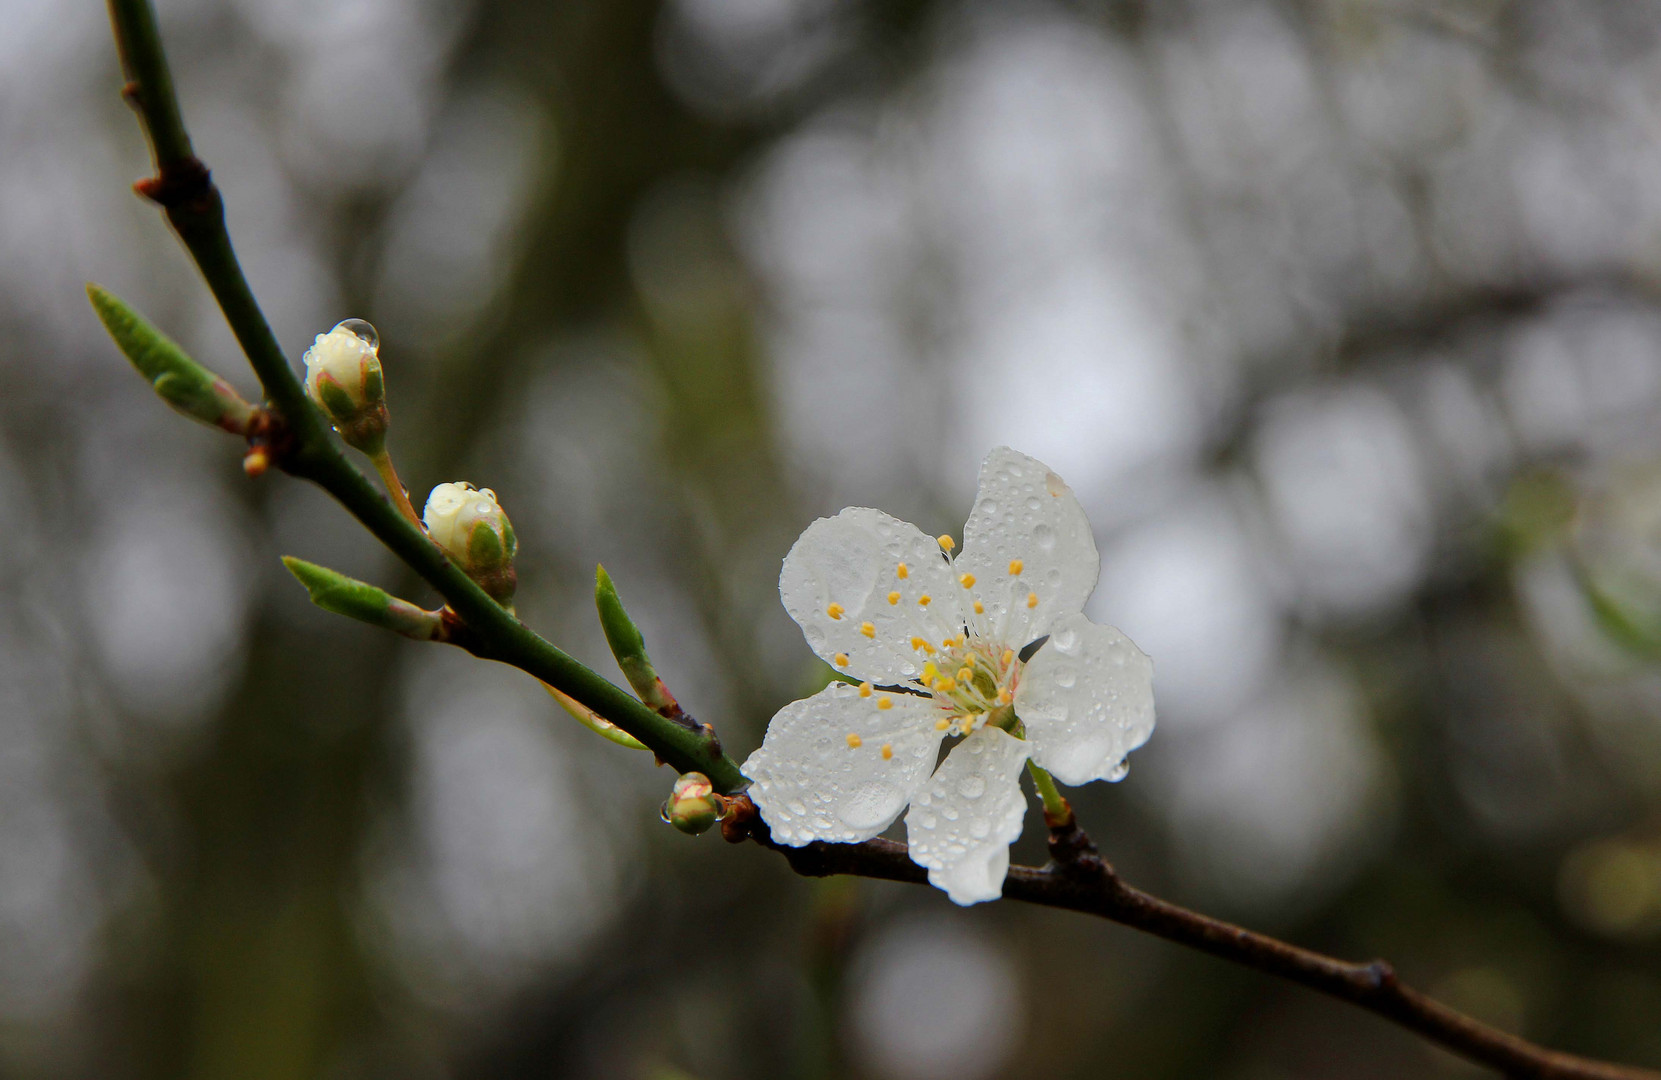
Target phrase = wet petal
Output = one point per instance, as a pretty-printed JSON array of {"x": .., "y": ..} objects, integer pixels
[
  {"x": 842, "y": 582},
  {"x": 1086, "y": 699},
  {"x": 1029, "y": 547},
  {"x": 964, "y": 819},
  {"x": 839, "y": 767}
]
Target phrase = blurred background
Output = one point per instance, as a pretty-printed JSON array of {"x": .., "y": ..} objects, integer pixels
[{"x": 1342, "y": 316}]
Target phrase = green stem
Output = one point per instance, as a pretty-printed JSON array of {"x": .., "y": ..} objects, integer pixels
[
  {"x": 395, "y": 487},
  {"x": 196, "y": 212},
  {"x": 1058, "y": 812}
]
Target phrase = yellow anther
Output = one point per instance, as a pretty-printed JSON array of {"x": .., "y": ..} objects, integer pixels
[
  {"x": 835, "y": 611},
  {"x": 928, "y": 648},
  {"x": 894, "y": 597},
  {"x": 948, "y": 643},
  {"x": 946, "y": 543},
  {"x": 887, "y": 751},
  {"x": 1005, "y": 697},
  {"x": 942, "y": 724},
  {"x": 868, "y": 629},
  {"x": 901, "y": 572},
  {"x": 885, "y": 704},
  {"x": 1032, "y": 599},
  {"x": 965, "y": 673},
  {"x": 924, "y": 600},
  {"x": 918, "y": 643},
  {"x": 865, "y": 689},
  {"x": 841, "y": 659},
  {"x": 1015, "y": 567},
  {"x": 929, "y": 672},
  {"x": 945, "y": 685},
  {"x": 854, "y": 741},
  {"x": 1009, "y": 655},
  {"x": 980, "y": 608},
  {"x": 967, "y": 581}
]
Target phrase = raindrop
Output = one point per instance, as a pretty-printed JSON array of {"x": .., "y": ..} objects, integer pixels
[
  {"x": 949, "y": 813},
  {"x": 972, "y": 787},
  {"x": 360, "y": 328},
  {"x": 1065, "y": 677},
  {"x": 796, "y": 807},
  {"x": 1044, "y": 537},
  {"x": 1033, "y": 503},
  {"x": 1065, "y": 640},
  {"x": 989, "y": 508},
  {"x": 871, "y": 804},
  {"x": 1118, "y": 772},
  {"x": 928, "y": 821},
  {"x": 980, "y": 828}
]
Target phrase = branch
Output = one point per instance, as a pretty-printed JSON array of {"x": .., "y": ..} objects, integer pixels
[
  {"x": 301, "y": 444},
  {"x": 1077, "y": 878}
]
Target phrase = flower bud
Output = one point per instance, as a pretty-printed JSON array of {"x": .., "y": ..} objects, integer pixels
[
  {"x": 473, "y": 530},
  {"x": 343, "y": 376},
  {"x": 692, "y": 806}
]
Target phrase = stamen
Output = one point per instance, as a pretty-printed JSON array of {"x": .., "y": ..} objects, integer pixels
[
  {"x": 888, "y": 751},
  {"x": 946, "y": 543},
  {"x": 885, "y": 704},
  {"x": 1008, "y": 656},
  {"x": 918, "y": 643},
  {"x": 942, "y": 724},
  {"x": 980, "y": 608},
  {"x": 945, "y": 685},
  {"x": 1005, "y": 697},
  {"x": 1032, "y": 599},
  {"x": 868, "y": 629},
  {"x": 923, "y": 601},
  {"x": 865, "y": 689},
  {"x": 854, "y": 741},
  {"x": 948, "y": 643},
  {"x": 1015, "y": 567},
  {"x": 929, "y": 673},
  {"x": 841, "y": 659},
  {"x": 967, "y": 581},
  {"x": 901, "y": 572},
  {"x": 835, "y": 611},
  {"x": 894, "y": 597}
]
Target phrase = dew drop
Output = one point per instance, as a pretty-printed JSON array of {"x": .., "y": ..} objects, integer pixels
[
  {"x": 1118, "y": 772},
  {"x": 949, "y": 813},
  {"x": 1065, "y": 640},
  {"x": 989, "y": 507},
  {"x": 928, "y": 821},
  {"x": 980, "y": 828},
  {"x": 972, "y": 787},
  {"x": 361, "y": 329},
  {"x": 1044, "y": 537},
  {"x": 796, "y": 807},
  {"x": 1065, "y": 677},
  {"x": 872, "y": 803},
  {"x": 1033, "y": 503}
]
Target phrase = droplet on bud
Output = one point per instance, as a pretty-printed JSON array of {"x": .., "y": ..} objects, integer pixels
[
  {"x": 362, "y": 329},
  {"x": 692, "y": 806}
]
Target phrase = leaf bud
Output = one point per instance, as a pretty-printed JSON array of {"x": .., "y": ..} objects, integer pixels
[
  {"x": 343, "y": 376},
  {"x": 693, "y": 806},
  {"x": 471, "y": 528}
]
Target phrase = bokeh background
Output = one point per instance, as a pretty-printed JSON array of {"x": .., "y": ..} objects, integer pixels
[{"x": 1342, "y": 316}]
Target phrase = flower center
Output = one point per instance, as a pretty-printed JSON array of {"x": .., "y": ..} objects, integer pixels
[{"x": 973, "y": 682}]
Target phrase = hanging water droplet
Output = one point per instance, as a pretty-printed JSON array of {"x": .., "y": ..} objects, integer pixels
[
  {"x": 663, "y": 813},
  {"x": 1118, "y": 772},
  {"x": 360, "y": 328}
]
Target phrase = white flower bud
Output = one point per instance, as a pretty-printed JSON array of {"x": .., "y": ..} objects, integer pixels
[
  {"x": 343, "y": 376},
  {"x": 474, "y": 531}
]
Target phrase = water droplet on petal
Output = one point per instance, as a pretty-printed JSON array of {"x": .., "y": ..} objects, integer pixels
[
  {"x": 1064, "y": 640},
  {"x": 1065, "y": 677},
  {"x": 989, "y": 507},
  {"x": 972, "y": 787},
  {"x": 1118, "y": 772},
  {"x": 1044, "y": 537},
  {"x": 928, "y": 821},
  {"x": 871, "y": 804},
  {"x": 980, "y": 828},
  {"x": 360, "y": 328},
  {"x": 1033, "y": 503},
  {"x": 796, "y": 807}
]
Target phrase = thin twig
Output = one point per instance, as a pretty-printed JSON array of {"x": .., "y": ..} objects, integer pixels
[{"x": 1077, "y": 877}]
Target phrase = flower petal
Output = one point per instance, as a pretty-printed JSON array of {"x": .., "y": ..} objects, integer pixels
[
  {"x": 839, "y": 767},
  {"x": 1086, "y": 698},
  {"x": 844, "y": 573},
  {"x": 1029, "y": 547},
  {"x": 963, "y": 820}
]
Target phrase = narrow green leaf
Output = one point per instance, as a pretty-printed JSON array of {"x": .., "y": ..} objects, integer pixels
[
  {"x": 628, "y": 646},
  {"x": 333, "y": 591},
  {"x": 180, "y": 381}
]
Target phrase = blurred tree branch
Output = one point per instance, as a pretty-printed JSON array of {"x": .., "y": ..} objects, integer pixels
[{"x": 1076, "y": 878}]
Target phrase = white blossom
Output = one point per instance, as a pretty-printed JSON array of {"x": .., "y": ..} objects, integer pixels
[
  {"x": 474, "y": 531},
  {"x": 346, "y": 359},
  {"x": 938, "y": 643}
]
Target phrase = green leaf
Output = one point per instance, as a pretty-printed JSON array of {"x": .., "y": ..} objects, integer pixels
[
  {"x": 180, "y": 381},
  {"x": 334, "y": 591},
  {"x": 628, "y": 646}
]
